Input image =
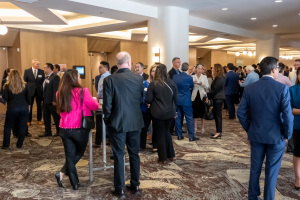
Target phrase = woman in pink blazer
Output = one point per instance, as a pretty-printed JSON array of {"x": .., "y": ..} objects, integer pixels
[{"x": 73, "y": 136}]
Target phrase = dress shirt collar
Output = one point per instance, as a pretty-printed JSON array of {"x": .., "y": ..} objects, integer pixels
[
  {"x": 268, "y": 76},
  {"x": 49, "y": 75}
]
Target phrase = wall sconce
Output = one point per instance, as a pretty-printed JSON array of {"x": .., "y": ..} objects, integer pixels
[
  {"x": 156, "y": 57},
  {"x": 3, "y": 29}
]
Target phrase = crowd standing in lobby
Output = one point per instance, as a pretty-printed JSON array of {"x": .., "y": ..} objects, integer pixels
[{"x": 163, "y": 100}]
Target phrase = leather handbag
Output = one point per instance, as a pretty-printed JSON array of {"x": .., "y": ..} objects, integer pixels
[
  {"x": 87, "y": 122},
  {"x": 209, "y": 110}
]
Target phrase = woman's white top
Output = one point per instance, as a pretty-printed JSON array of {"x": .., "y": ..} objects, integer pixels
[{"x": 201, "y": 88}]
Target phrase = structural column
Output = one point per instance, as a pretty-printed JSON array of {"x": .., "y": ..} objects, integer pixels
[
  {"x": 269, "y": 46},
  {"x": 170, "y": 33}
]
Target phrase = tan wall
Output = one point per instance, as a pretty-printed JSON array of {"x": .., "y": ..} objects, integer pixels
[
  {"x": 205, "y": 60},
  {"x": 218, "y": 56},
  {"x": 137, "y": 50},
  {"x": 3, "y": 62},
  {"x": 14, "y": 57},
  {"x": 192, "y": 57},
  {"x": 111, "y": 57},
  {"x": 55, "y": 48}
]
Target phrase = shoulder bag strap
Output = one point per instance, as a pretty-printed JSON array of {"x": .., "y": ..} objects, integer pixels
[
  {"x": 168, "y": 87},
  {"x": 81, "y": 100}
]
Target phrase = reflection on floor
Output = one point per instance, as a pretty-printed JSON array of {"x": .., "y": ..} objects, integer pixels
[{"x": 206, "y": 169}]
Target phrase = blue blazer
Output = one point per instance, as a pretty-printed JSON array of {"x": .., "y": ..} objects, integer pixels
[
  {"x": 185, "y": 85},
  {"x": 231, "y": 83},
  {"x": 265, "y": 111}
]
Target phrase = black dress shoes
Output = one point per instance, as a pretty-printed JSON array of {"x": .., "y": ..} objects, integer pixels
[
  {"x": 133, "y": 188},
  {"x": 217, "y": 137},
  {"x": 297, "y": 188},
  {"x": 118, "y": 193},
  {"x": 5, "y": 148},
  {"x": 193, "y": 139},
  {"x": 28, "y": 134},
  {"x": 57, "y": 134},
  {"x": 180, "y": 138},
  {"x": 173, "y": 133},
  {"x": 75, "y": 187},
  {"x": 57, "y": 176},
  {"x": 46, "y": 135}
]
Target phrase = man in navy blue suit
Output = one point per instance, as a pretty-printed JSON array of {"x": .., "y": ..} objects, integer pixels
[
  {"x": 231, "y": 89},
  {"x": 266, "y": 115},
  {"x": 185, "y": 85}
]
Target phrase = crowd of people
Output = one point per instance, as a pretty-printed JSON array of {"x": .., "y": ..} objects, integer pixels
[{"x": 268, "y": 95}]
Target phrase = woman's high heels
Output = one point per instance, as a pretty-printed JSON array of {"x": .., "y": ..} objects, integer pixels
[
  {"x": 216, "y": 137},
  {"x": 57, "y": 176}
]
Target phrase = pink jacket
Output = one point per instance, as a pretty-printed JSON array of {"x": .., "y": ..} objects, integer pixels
[{"x": 73, "y": 118}]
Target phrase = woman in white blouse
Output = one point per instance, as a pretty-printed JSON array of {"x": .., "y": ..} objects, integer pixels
[{"x": 199, "y": 91}]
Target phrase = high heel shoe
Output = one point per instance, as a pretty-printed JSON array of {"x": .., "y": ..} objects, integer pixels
[
  {"x": 297, "y": 188},
  {"x": 57, "y": 176},
  {"x": 217, "y": 137}
]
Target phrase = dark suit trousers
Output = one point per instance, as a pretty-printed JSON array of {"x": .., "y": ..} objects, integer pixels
[
  {"x": 147, "y": 121},
  {"x": 217, "y": 105},
  {"x": 273, "y": 154},
  {"x": 230, "y": 100},
  {"x": 99, "y": 127},
  {"x": 49, "y": 110},
  {"x": 75, "y": 142},
  {"x": 38, "y": 100},
  {"x": 164, "y": 142},
  {"x": 186, "y": 111},
  {"x": 132, "y": 140},
  {"x": 15, "y": 117}
]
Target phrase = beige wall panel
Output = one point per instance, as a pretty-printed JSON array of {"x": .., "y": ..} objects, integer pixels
[
  {"x": 206, "y": 60},
  {"x": 77, "y": 54},
  {"x": 3, "y": 62},
  {"x": 111, "y": 57},
  {"x": 14, "y": 57},
  {"x": 32, "y": 45},
  {"x": 192, "y": 57},
  {"x": 247, "y": 60},
  {"x": 137, "y": 50},
  {"x": 56, "y": 48},
  {"x": 218, "y": 56},
  {"x": 102, "y": 45}
]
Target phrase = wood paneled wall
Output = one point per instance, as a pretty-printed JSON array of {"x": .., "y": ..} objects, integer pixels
[
  {"x": 111, "y": 57},
  {"x": 247, "y": 60},
  {"x": 55, "y": 48},
  {"x": 95, "y": 59},
  {"x": 192, "y": 57},
  {"x": 3, "y": 61},
  {"x": 204, "y": 57},
  {"x": 14, "y": 56}
]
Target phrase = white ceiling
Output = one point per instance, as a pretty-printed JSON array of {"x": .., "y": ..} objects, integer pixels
[{"x": 206, "y": 18}]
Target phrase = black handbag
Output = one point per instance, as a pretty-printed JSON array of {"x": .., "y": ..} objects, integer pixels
[
  {"x": 209, "y": 110},
  {"x": 87, "y": 122}
]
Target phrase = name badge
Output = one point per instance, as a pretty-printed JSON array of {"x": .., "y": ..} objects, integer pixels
[
  {"x": 47, "y": 81},
  {"x": 40, "y": 76}
]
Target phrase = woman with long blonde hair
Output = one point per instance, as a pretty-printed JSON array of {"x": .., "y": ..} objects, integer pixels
[
  {"x": 16, "y": 94},
  {"x": 217, "y": 95}
]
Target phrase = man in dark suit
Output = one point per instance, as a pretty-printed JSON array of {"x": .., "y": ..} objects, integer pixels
[
  {"x": 119, "y": 113},
  {"x": 185, "y": 85},
  {"x": 50, "y": 87},
  {"x": 266, "y": 115},
  {"x": 35, "y": 77},
  {"x": 175, "y": 70},
  {"x": 231, "y": 89},
  {"x": 139, "y": 69}
]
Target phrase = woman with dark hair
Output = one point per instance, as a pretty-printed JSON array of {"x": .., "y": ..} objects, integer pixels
[
  {"x": 217, "y": 95},
  {"x": 295, "y": 102},
  {"x": 161, "y": 95},
  {"x": 4, "y": 79},
  {"x": 16, "y": 94},
  {"x": 71, "y": 108}
]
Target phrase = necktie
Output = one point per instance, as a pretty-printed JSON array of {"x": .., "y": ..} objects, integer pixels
[{"x": 35, "y": 73}]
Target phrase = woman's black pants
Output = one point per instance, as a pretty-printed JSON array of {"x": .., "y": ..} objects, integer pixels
[
  {"x": 217, "y": 105},
  {"x": 75, "y": 141}
]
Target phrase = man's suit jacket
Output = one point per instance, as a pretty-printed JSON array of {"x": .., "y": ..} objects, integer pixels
[
  {"x": 51, "y": 87},
  {"x": 145, "y": 76},
  {"x": 185, "y": 85},
  {"x": 34, "y": 84},
  {"x": 122, "y": 99},
  {"x": 265, "y": 111},
  {"x": 172, "y": 72},
  {"x": 231, "y": 83}
]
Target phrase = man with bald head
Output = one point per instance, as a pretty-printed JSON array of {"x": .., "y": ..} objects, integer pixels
[
  {"x": 34, "y": 77},
  {"x": 122, "y": 98}
]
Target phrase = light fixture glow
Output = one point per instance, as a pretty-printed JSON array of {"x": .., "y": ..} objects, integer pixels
[
  {"x": 155, "y": 50},
  {"x": 224, "y": 8},
  {"x": 274, "y": 26},
  {"x": 254, "y": 53},
  {"x": 250, "y": 53},
  {"x": 244, "y": 52},
  {"x": 155, "y": 59},
  {"x": 237, "y": 53},
  {"x": 253, "y": 18},
  {"x": 3, "y": 29}
]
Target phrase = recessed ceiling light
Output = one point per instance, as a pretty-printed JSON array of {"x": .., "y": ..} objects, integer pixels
[
  {"x": 253, "y": 18},
  {"x": 274, "y": 26},
  {"x": 224, "y": 8},
  {"x": 278, "y": 1}
]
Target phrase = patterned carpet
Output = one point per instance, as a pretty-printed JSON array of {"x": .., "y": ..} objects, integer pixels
[{"x": 206, "y": 169}]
